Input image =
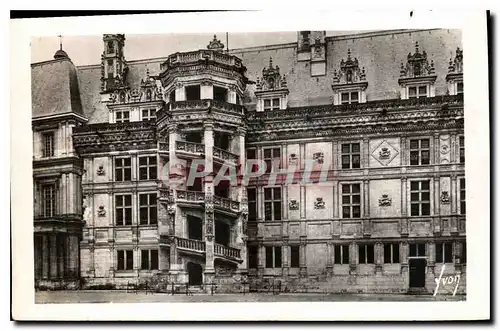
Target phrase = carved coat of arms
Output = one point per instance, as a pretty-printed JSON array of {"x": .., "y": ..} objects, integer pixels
[{"x": 384, "y": 201}]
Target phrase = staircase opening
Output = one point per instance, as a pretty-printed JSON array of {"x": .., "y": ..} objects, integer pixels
[
  {"x": 194, "y": 137},
  {"x": 221, "y": 140},
  {"x": 194, "y": 227},
  {"x": 222, "y": 189},
  {"x": 195, "y": 273},
  {"x": 222, "y": 233}
]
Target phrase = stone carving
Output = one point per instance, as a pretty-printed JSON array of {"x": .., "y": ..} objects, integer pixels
[
  {"x": 384, "y": 201},
  {"x": 349, "y": 71},
  {"x": 215, "y": 44},
  {"x": 456, "y": 66},
  {"x": 445, "y": 197},
  {"x": 444, "y": 149},
  {"x": 293, "y": 159},
  {"x": 293, "y": 205},
  {"x": 100, "y": 170},
  {"x": 271, "y": 79},
  {"x": 385, "y": 153},
  {"x": 318, "y": 157},
  {"x": 101, "y": 212},
  {"x": 319, "y": 203},
  {"x": 417, "y": 65}
]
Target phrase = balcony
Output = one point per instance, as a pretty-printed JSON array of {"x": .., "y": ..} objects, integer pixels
[
  {"x": 227, "y": 252},
  {"x": 222, "y": 156},
  {"x": 206, "y": 104},
  {"x": 226, "y": 205},
  {"x": 189, "y": 148},
  {"x": 191, "y": 245},
  {"x": 190, "y": 196},
  {"x": 198, "y": 247}
]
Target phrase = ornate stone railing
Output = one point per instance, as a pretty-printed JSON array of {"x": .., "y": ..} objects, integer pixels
[
  {"x": 163, "y": 146},
  {"x": 191, "y": 244},
  {"x": 189, "y": 147},
  {"x": 226, "y": 203},
  {"x": 205, "y": 104},
  {"x": 190, "y": 196},
  {"x": 225, "y": 155},
  {"x": 225, "y": 251},
  {"x": 203, "y": 54},
  {"x": 370, "y": 106}
]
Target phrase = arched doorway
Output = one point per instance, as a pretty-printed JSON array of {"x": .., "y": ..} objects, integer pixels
[{"x": 195, "y": 273}]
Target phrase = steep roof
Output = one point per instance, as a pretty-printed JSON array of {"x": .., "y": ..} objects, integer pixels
[{"x": 54, "y": 88}]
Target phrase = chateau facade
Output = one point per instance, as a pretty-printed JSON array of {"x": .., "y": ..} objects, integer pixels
[{"x": 342, "y": 164}]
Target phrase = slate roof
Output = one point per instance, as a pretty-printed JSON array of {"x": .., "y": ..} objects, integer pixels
[{"x": 54, "y": 88}]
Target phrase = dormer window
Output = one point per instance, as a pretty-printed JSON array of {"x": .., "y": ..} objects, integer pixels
[
  {"x": 271, "y": 104},
  {"x": 455, "y": 74},
  {"x": 272, "y": 91},
  {"x": 122, "y": 116},
  {"x": 415, "y": 92},
  {"x": 417, "y": 77},
  {"x": 349, "y": 97},
  {"x": 349, "y": 82}
]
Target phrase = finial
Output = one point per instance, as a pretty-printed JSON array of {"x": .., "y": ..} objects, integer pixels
[
  {"x": 60, "y": 42},
  {"x": 348, "y": 54},
  {"x": 270, "y": 62},
  {"x": 416, "y": 47}
]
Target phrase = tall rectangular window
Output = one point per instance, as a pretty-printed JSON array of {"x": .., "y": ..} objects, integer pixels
[
  {"x": 193, "y": 92},
  {"x": 463, "y": 253},
  {"x": 147, "y": 208},
  {"x": 220, "y": 93},
  {"x": 123, "y": 209},
  {"x": 251, "y": 154},
  {"x": 351, "y": 156},
  {"x": 48, "y": 200},
  {"x": 462, "y": 196},
  {"x": 341, "y": 254},
  {"x": 460, "y": 88},
  {"x": 271, "y": 104},
  {"x": 391, "y": 253},
  {"x": 415, "y": 92},
  {"x": 294, "y": 256},
  {"x": 123, "y": 169},
  {"x": 253, "y": 257},
  {"x": 420, "y": 198},
  {"x": 444, "y": 252},
  {"x": 273, "y": 257},
  {"x": 125, "y": 260},
  {"x": 147, "y": 167},
  {"x": 462, "y": 149},
  {"x": 252, "y": 204},
  {"x": 272, "y": 158},
  {"x": 272, "y": 203},
  {"x": 122, "y": 116},
  {"x": 48, "y": 144},
  {"x": 148, "y": 114},
  {"x": 419, "y": 151},
  {"x": 418, "y": 250},
  {"x": 351, "y": 201},
  {"x": 348, "y": 98},
  {"x": 366, "y": 254},
  {"x": 111, "y": 47},
  {"x": 149, "y": 259}
]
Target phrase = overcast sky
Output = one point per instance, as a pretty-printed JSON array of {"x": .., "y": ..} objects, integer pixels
[{"x": 85, "y": 50}]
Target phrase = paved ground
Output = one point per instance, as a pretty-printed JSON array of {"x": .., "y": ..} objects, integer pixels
[{"x": 124, "y": 297}]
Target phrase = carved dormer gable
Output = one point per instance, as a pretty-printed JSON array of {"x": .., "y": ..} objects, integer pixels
[
  {"x": 216, "y": 45},
  {"x": 151, "y": 90},
  {"x": 349, "y": 72},
  {"x": 417, "y": 76},
  {"x": 349, "y": 82},
  {"x": 271, "y": 89},
  {"x": 417, "y": 65},
  {"x": 271, "y": 78},
  {"x": 454, "y": 78}
]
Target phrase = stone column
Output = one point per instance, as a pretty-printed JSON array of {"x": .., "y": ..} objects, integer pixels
[
  {"x": 404, "y": 207},
  {"x": 53, "y": 256},
  {"x": 285, "y": 260},
  {"x": 379, "y": 257},
  {"x": 73, "y": 254},
  {"x": 231, "y": 95},
  {"x": 404, "y": 256},
  {"x": 454, "y": 203},
  {"x": 303, "y": 258},
  {"x": 353, "y": 258},
  {"x": 45, "y": 256},
  {"x": 209, "y": 205},
  {"x": 180, "y": 93},
  {"x": 164, "y": 259},
  {"x": 329, "y": 259},
  {"x": 61, "y": 254},
  {"x": 431, "y": 255},
  {"x": 261, "y": 258},
  {"x": 206, "y": 90}
]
